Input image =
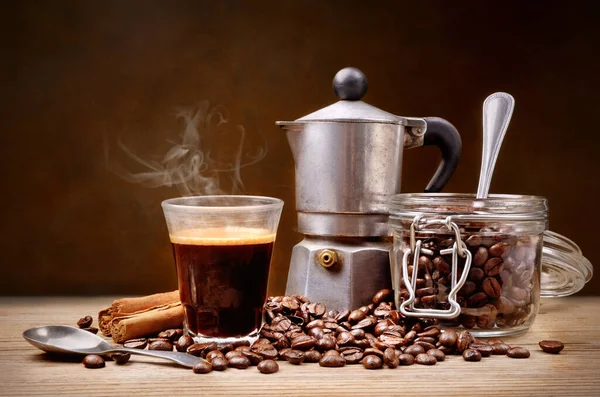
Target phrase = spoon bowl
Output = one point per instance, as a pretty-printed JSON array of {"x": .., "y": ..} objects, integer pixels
[{"x": 70, "y": 340}]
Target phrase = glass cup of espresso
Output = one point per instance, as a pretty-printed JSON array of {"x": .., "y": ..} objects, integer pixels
[{"x": 222, "y": 247}]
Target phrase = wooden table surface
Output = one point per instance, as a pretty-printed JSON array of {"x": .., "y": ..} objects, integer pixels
[{"x": 575, "y": 321}]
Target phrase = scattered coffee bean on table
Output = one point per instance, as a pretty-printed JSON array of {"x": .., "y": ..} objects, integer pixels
[
  {"x": 139, "y": 343},
  {"x": 92, "y": 330},
  {"x": 500, "y": 348},
  {"x": 518, "y": 352},
  {"x": 406, "y": 359},
  {"x": 202, "y": 367},
  {"x": 93, "y": 361},
  {"x": 183, "y": 343},
  {"x": 483, "y": 348},
  {"x": 371, "y": 362},
  {"x": 121, "y": 358},
  {"x": 219, "y": 363},
  {"x": 471, "y": 355},
  {"x": 437, "y": 353},
  {"x": 162, "y": 345},
  {"x": 85, "y": 322},
  {"x": 239, "y": 362},
  {"x": 551, "y": 346},
  {"x": 268, "y": 367},
  {"x": 390, "y": 358},
  {"x": 425, "y": 359}
]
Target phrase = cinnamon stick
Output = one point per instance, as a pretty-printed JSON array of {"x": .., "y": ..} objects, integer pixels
[
  {"x": 146, "y": 323},
  {"x": 129, "y": 318}
]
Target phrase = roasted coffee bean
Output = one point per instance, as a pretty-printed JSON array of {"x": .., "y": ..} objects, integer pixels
[
  {"x": 365, "y": 323},
  {"x": 478, "y": 300},
  {"x": 353, "y": 356},
  {"x": 342, "y": 316},
  {"x": 171, "y": 334},
  {"x": 327, "y": 342},
  {"x": 362, "y": 343},
  {"x": 345, "y": 339},
  {"x": 332, "y": 360},
  {"x": 551, "y": 346},
  {"x": 202, "y": 367},
  {"x": 440, "y": 265},
  {"x": 121, "y": 358},
  {"x": 333, "y": 313},
  {"x": 390, "y": 358},
  {"x": 239, "y": 362},
  {"x": 483, "y": 348},
  {"x": 421, "y": 292},
  {"x": 372, "y": 362},
  {"x": 317, "y": 309},
  {"x": 491, "y": 287},
  {"x": 161, "y": 345},
  {"x": 358, "y": 333},
  {"x": 426, "y": 339},
  {"x": 253, "y": 357},
  {"x": 414, "y": 350},
  {"x": 518, "y": 352},
  {"x": 225, "y": 347},
  {"x": 382, "y": 296},
  {"x": 303, "y": 342},
  {"x": 183, "y": 343},
  {"x": 92, "y": 330},
  {"x": 268, "y": 367},
  {"x": 425, "y": 359},
  {"x": 493, "y": 266},
  {"x": 499, "y": 249},
  {"x": 233, "y": 353},
  {"x": 241, "y": 343},
  {"x": 331, "y": 353},
  {"x": 447, "y": 349},
  {"x": 375, "y": 352},
  {"x": 391, "y": 339},
  {"x": 93, "y": 361},
  {"x": 500, "y": 348},
  {"x": 213, "y": 354},
  {"x": 85, "y": 322},
  {"x": 152, "y": 340},
  {"x": 219, "y": 363},
  {"x": 316, "y": 333},
  {"x": 464, "y": 340},
  {"x": 201, "y": 349},
  {"x": 437, "y": 353},
  {"x": 481, "y": 256},
  {"x": 410, "y": 336},
  {"x": 357, "y": 315},
  {"x": 430, "y": 331},
  {"x": 425, "y": 345},
  {"x": 406, "y": 359},
  {"x": 471, "y": 355},
  {"x": 448, "y": 338},
  {"x": 312, "y": 356},
  {"x": 474, "y": 241},
  {"x": 380, "y": 327},
  {"x": 243, "y": 348},
  {"x": 476, "y": 275},
  {"x": 295, "y": 357},
  {"x": 318, "y": 323},
  {"x": 268, "y": 352},
  {"x": 139, "y": 343}
]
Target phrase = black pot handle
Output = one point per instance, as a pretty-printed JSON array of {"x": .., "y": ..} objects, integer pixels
[{"x": 442, "y": 134}]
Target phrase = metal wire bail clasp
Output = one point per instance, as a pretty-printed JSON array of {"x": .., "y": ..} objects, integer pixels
[{"x": 459, "y": 248}]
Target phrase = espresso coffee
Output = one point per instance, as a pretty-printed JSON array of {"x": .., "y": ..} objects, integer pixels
[{"x": 223, "y": 275}]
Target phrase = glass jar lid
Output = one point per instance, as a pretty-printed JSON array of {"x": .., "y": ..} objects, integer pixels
[{"x": 564, "y": 268}]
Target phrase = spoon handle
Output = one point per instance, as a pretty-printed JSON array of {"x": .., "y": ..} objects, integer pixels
[
  {"x": 497, "y": 112},
  {"x": 187, "y": 360}
]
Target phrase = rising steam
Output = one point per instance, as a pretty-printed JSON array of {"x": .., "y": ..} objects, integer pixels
[{"x": 208, "y": 159}]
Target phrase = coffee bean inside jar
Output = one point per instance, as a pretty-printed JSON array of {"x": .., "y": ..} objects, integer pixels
[{"x": 501, "y": 292}]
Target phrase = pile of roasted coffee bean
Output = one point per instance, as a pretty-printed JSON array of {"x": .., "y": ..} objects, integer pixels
[
  {"x": 299, "y": 331},
  {"x": 502, "y": 285}
]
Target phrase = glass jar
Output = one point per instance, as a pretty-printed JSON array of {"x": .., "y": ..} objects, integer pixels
[{"x": 479, "y": 262}]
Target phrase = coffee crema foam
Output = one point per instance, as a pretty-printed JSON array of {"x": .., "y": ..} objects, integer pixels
[{"x": 233, "y": 235}]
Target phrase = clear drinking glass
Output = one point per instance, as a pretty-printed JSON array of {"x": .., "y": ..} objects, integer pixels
[{"x": 222, "y": 247}]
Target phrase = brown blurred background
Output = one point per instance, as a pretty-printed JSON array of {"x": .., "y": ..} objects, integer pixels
[{"x": 78, "y": 76}]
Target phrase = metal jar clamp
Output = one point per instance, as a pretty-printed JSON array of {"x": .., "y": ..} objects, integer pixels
[{"x": 459, "y": 248}]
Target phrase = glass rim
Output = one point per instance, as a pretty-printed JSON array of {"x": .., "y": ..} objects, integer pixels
[{"x": 253, "y": 203}]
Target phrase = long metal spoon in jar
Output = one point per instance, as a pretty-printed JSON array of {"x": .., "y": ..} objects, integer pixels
[
  {"x": 70, "y": 340},
  {"x": 497, "y": 111}
]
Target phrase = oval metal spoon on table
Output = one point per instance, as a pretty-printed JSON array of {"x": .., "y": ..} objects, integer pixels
[
  {"x": 71, "y": 340},
  {"x": 497, "y": 111}
]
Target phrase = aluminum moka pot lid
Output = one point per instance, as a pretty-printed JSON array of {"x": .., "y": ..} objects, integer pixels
[{"x": 350, "y": 85}]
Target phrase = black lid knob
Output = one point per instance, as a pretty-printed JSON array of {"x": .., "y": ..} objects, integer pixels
[{"x": 350, "y": 84}]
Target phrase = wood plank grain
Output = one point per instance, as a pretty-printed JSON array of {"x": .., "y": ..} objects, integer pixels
[{"x": 576, "y": 371}]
